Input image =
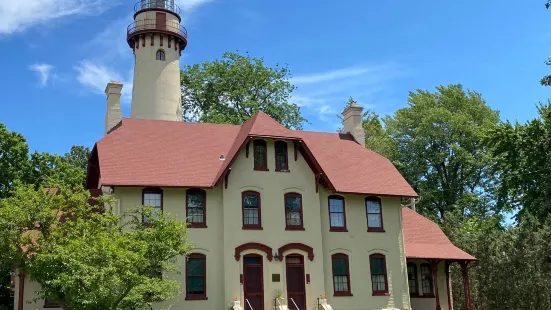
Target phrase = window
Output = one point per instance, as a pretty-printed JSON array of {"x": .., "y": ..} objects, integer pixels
[
  {"x": 260, "y": 153},
  {"x": 374, "y": 214},
  {"x": 251, "y": 210},
  {"x": 412, "y": 279},
  {"x": 50, "y": 304},
  {"x": 426, "y": 280},
  {"x": 378, "y": 274},
  {"x": 153, "y": 197},
  {"x": 293, "y": 211},
  {"x": 161, "y": 55},
  {"x": 337, "y": 217},
  {"x": 341, "y": 275},
  {"x": 196, "y": 287},
  {"x": 281, "y": 160},
  {"x": 196, "y": 208}
]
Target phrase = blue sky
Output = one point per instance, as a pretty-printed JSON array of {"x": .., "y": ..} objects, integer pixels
[{"x": 57, "y": 56}]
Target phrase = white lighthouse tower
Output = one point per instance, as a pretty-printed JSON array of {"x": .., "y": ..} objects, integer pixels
[{"x": 157, "y": 39}]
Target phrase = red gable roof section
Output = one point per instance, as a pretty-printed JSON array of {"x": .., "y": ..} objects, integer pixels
[{"x": 424, "y": 239}]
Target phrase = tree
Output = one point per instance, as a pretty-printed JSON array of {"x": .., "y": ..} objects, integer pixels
[
  {"x": 78, "y": 157},
  {"x": 232, "y": 89},
  {"x": 14, "y": 156},
  {"x": 51, "y": 170},
  {"x": 439, "y": 148},
  {"x": 84, "y": 255}
]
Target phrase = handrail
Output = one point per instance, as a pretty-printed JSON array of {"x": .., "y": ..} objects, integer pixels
[
  {"x": 249, "y": 304},
  {"x": 294, "y": 303},
  {"x": 168, "y": 5},
  {"x": 151, "y": 24}
]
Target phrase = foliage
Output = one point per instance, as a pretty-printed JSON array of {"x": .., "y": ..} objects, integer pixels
[
  {"x": 524, "y": 167},
  {"x": 232, "y": 89},
  {"x": 13, "y": 159},
  {"x": 51, "y": 170},
  {"x": 91, "y": 260},
  {"x": 78, "y": 157}
]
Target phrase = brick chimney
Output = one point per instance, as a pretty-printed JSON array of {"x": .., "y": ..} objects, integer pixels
[
  {"x": 113, "y": 115},
  {"x": 352, "y": 121}
]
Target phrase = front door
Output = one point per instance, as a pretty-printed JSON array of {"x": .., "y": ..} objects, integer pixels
[
  {"x": 253, "y": 282},
  {"x": 160, "y": 20},
  {"x": 296, "y": 292}
]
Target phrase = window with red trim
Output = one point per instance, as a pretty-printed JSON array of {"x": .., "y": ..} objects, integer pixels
[
  {"x": 412, "y": 279},
  {"x": 50, "y": 304},
  {"x": 341, "y": 275},
  {"x": 196, "y": 277},
  {"x": 281, "y": 159},
  {"x": 196, "y": 209},
  {"x": 426, "y": 280},
  {"x": 374, "y": 213},
  {"x": 153, "y": 197},
  {"x": 260, "y": 155},
  {"x": 250, "y": 202},
  {"x": 379, "y": 281},
  {"x": 293, "y": 211},
  {"x": 337, "y": 216}
]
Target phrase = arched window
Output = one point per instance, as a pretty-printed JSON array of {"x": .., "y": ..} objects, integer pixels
[
  {"x": 426, "y": 280},
  {"x": 161, "y": 55},
  {"x": 196, "y": 277},
  {"x": 337, "y": 216},
  {"x": 293, "y": 211},
  {"x": 153, "y": 197},
  {"x": 281, "y": 160},
  {"x": 260, "y": 155},
  {"x": 379, "y": 281},
  {"x": 251, "y": 210},
  {"x": 374, "y": 213},
  {"x": 412, "y": 279},
  {"x": 341, "y": 274},
  {"x": 196, "y": 208}
]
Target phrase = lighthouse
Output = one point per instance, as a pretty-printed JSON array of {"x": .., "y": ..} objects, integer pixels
[{"x": 157, "y": 39}]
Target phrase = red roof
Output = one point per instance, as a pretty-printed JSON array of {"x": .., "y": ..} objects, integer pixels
[
  {"x": 424, "y": 239},
  {"x": 178, "y": 154}
]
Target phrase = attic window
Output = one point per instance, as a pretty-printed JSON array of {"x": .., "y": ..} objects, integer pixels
[
  {"x": 281, "y": 156},
  {"x": 260, "y": 155}
]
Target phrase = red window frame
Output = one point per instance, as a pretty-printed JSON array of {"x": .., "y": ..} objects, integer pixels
[
  {"x": 415, "y": 277},
  {"x": 345, "y": 257},
  {"x": 374, "y": 229},
  {"x": 285, "y": 148},
  {"x": 151, "y": 190},
  {"x": 378, "y": 292},
  {"x": 258, "y": 143},
  {"x": 293, "y": 227},
  {"x": 204, "y": 194},
  {"x": 197, "y": 296},
  {"x": 251, "y": 226},
  {"x": 337, "y": 228},
  {"x": 430, "y": 279}
]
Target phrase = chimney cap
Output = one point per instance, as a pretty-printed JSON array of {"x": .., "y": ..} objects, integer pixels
[{"x": 115, "y": 86}]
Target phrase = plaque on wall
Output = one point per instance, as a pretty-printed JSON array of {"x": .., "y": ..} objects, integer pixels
[{"x": 276, "y": 277}]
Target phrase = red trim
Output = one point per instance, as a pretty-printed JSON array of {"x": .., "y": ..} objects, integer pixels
[
  {"x": 286, "y": 149},
  {"x": 296, "y": 246},
  {"x": 307, "y": 278},
  {"x": 466, "y": 285},
  {"x": 253, "y": 246},
  {"x": 204, "y": 194},
  {"x": 247, "y": 149},
  {"x": 260, "y": 142},
  {"x": 448, "y": 289},
  {"x": 152, "y": 190},
  {"x": 226, "y": 179},
  {"x": 374, "y": 229},
  {"x": 416, "y": 274},
  {"x": 251, "y": 226},
  {"x": 385, "y": 291},
  {"x": 336, "y": 228},
  {"x": 295, "y": 146},
  {"x": 20, "y": 302},
  {"x": 293, "y": 227},
  {"x": 161, "y": 39},
  {"x": 50, "y": 304},
  {"x": 434, "y": 267},
  {"x": 197, "y": 296},
  {"x": 341, "y": 293}
]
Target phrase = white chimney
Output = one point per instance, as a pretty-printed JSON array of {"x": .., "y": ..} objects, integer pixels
[
  {"x": 113, "y": 115},
  {"x": 352, "y": 121}
]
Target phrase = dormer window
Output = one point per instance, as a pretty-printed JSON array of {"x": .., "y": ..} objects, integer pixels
[
  {"x": 161, "y": 55},
  {"x": 281, "y": 160},
  {"x": 260, "y": 155}
]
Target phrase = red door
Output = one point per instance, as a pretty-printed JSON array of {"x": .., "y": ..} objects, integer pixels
[
  {"x": 296, "y": 291},
  {"x": 253, "y": 282},
  {"x": 160, "y": 19}
]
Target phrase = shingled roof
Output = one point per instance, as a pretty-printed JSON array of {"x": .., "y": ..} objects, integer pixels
[
  {"x": 424, "y": 239},
  {"x": 178, "y": 154}
]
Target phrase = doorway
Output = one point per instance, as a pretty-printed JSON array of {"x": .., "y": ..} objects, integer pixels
[
  {"x": 253, "y": 282},
  {"x": 296, "y": 288},
  {"x": 160, "y": 20}
]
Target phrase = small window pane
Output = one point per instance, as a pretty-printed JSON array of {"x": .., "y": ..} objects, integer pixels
[
  {"x": 196, "y": 207},
  {"x": 412, "y": 279},
  {"x": 260, "y": 154},
  {"x": 339, "y": 266},
  {"x": 281, "y": 155},
  {"x": 252, "y": 260},
  {"x": 377, "y": 265},
  {"x": 341, "y": 283},
  {"x": 293, "y": 210}
]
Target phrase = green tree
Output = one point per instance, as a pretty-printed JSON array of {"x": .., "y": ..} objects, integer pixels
[
  {"x": 14, "y": 159},
  {"x": 78, "y": 157},
  {"x": 438, "y": 143},
  {"x": 51, "y": 170},
  {"x": 84, "y": 255},
  {"x": 232, "y": 89}
]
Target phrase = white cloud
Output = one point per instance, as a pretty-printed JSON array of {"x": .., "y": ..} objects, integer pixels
[
  {"x": 188, "y": 5},
  {"x": 18, "y": 15},
  {"x": 44, "y": 72},
  {"x": 96, "y": 76}
]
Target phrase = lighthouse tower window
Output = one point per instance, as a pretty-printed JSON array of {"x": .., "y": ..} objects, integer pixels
[{"x": 161, "y": 55}]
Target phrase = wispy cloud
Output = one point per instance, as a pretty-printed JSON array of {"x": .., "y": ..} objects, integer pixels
[
  {"x": 44, "y": 72},
  {"x": 18, "y": 15},
  {"x": 96, "y": 76},
  {"x": 188, "y": 5}
]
